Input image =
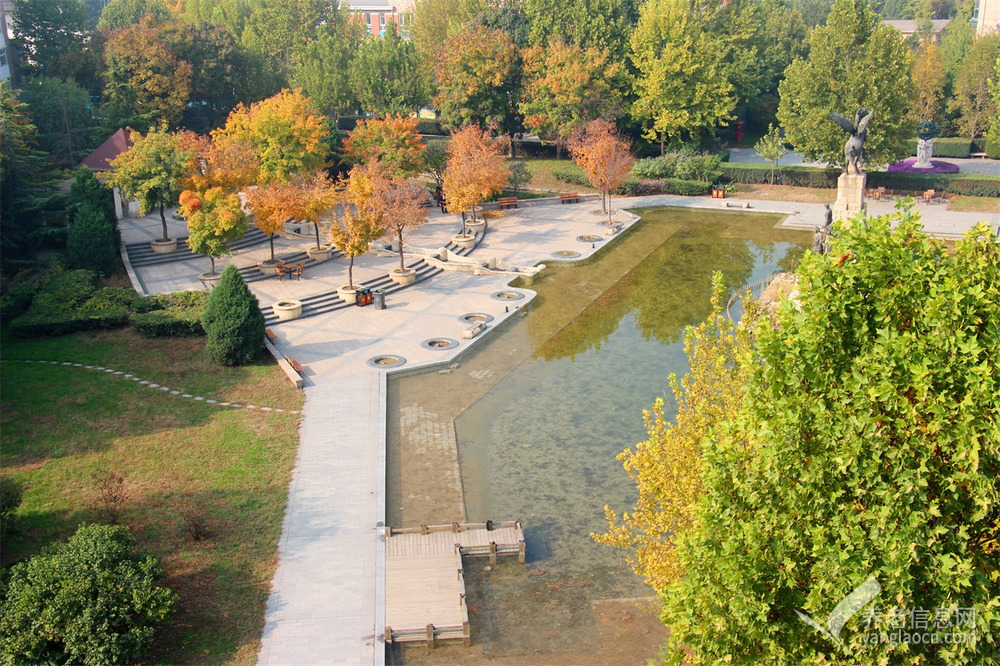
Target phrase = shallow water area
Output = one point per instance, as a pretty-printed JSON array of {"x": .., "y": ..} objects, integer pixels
[{"x": 539, "y": 412}]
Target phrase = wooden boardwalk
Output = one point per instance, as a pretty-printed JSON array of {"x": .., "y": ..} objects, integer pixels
[{"x": 424, "y": 580}]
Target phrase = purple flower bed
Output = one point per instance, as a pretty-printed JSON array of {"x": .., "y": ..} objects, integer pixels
[{"x": 939, "y": 166}]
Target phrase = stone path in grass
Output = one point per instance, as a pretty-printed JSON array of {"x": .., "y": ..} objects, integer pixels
[
  {"x": 327, "y": 596},
  {"x": 155, "y": 386}
]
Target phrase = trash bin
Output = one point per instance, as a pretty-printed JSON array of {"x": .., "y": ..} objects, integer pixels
[
  {"x": 378, "y": 298},
  {"x": 364, "y": 296}
]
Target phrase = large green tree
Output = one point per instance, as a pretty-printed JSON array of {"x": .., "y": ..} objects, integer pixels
[
  {"x": 600, "y": 24},
  {"x": 118, "y": 14},
  {"x": 48, "y": 31},
  {"x": 323, "y": 69},
  {"x": 62, "y": 112},
  {"x": 972, "y": 100},
  {"x": 854, "y": 60},
  {"x": 91, "y": 600},
  {"x": 865, "y": 445},
  {"x": 386, "y": 75},
  {"x": 680, "y": 86}
]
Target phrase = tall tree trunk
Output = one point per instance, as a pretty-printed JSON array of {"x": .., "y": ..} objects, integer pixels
[
  {"x": 350, "y": 273},
  {"x": 609, "y": 207},
  {"x": 400, "y": 237},
  {"x": 163, "y": 221},
  {"x": 212, "y": 259},
  {"x": 271, "y": 238},
  {"x": 661, "y": 144},
  {"x": 316, "y": 226}
]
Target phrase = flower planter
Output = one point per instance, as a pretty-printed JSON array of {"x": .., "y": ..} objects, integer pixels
[
  {"x": 467, "y": 241},
  {"x": 267, "y": 267},
  {"x": 287, "y": 309},
  {"x": 318, "y": 254},
  {"x": 348, "y": 294},
  {"x": 210, "y": 279},
  {"x": 478, "y": 225},
  {"x": 164, "y": 246},
  {"x": 404, "y": 276}
]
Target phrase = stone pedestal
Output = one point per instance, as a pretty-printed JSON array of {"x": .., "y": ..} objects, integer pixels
[
  {"x": 925, "y": 149},
  {"x": 850, "y": 195}
]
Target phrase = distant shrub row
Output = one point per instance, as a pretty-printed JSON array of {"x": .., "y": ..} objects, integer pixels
[
  {"x": 635, "y": 186},
  {"x": 944, "y": 147},
  {"x": 975, "y": 185},
  {"x": 70, "y": 301}
]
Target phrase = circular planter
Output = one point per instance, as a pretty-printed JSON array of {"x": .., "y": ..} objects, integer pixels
[
  {"x": 507, "y": 296},
  {"x": 287, "y": 309},
  {"x": 210, "y": 279},
  {"x": 403, "y": 277},
  {"x": 164, "y": 246},
  {"x": 468, "y": 242},
  {"x": 267, "y": 267},
  {"x": 439, "y": 344},
  {"x": 318, "y": 254},
  {"x": 478, "y": 225},
  {"x": 385, "y": 361},
  {"x": 476, "y": 318},
  {"x": 348, "y": 294}
]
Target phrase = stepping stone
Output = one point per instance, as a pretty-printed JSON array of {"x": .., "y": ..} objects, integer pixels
[
  {"x": 75, "y": 365},
  {"x": 224, "y": 404},
  {"x": 144, "y": 382},
  {"x": 127, "y": 376},
  {"x": 134, "y": 378},
  {"x": 266, "y": 409},
  {"x": 118, "y": 372},
  {"x": 278, "y": 409},
  {"x": 109, "y": 370},
  {"x": 187, "y": 395},
  {"x": 251, "y": 407},
  {"x": 164, "y": 388},
  {"x": 67, "y": 363},
  {"x": 235, "y": 404},
  {"x": 154, "y": 386},
  {"x": 88, "y": 367},
  {"x": 211, "y": 402},
  {"x": 198, "y": 397},
  {"x": 175, "y": 393},
  {"x": 53, "y": 362}
]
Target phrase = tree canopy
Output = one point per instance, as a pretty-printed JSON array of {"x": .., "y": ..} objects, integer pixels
[
  {"x": 476, "y": 169},
  {"x": 386, "y": 75},
  {"x": 854, "y": 60}
]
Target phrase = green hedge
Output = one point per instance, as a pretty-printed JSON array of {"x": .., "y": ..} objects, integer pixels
[
  {"x": 175, "y": 321},
  {"x": 993, "y": 149},
  {"x": 573, "y": 175},
  {"x": 686, "y": 188},
  {"x": 41, "y": 323},
  {"x": 973, "y": 185},
  {"x": 945, "y": 147},
  {"x": 760, "y": 174},
  {"x": 430, "y": 127}
]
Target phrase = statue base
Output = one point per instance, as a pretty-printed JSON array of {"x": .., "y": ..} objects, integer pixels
[{"x": 850, "y": 195}]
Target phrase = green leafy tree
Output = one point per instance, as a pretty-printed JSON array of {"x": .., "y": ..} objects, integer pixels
[
  {"x": 233, "y": 322},
  {"x": 855, "y": 60},
  {"x": 479, "y": 80},
  {"x": 48, "y": 31},
  {"x": 866, "y": 447},
  {"x": 277, "y": 31},
  {"x": 61, "y": 111},
  {"x": 363, "y": 218},
  {"x": 680, "y": 86},
  {"x": 436, "y": 161},
  {"x": 27, "y": 176},
  {"x": 771, "y": 147},
  {"x": 118, "y": 14},
  {"x": 993, "y": 137},
  {"x": 88, "y": 190},
  {"x": 214, "y": 219},
  {"x": 600, "y": 24},
  {"x": 393, "y": 141},
  {"x": 90, "y": 241},
  {"x": 972, "y": 100},
  {"x": 92, "y": 599},
  {"x": 151, "y": 171},
  {"x": 434, "y": 23},
  {"x": 520, "y": 175},
  {"x": 323, "y": 69},
  {"x": 930, "y": 78},
  {"x": 386, "y": 75},
  {"x": 957, "y": 37}
]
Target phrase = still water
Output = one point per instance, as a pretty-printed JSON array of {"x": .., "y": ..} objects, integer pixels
[{"x": 541, "y": 411}]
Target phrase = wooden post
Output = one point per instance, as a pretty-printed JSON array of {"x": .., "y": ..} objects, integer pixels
[
  {"x": 431, "y": 641},
  {"x": 520, "y": 552},
  {"x": 493, "y": 553},
  {"x": 423, "y": 530},
  {"x": 467, "y": 633},
  {"x": 388, "y": 634},
  {"x": 454, "y": 528}
]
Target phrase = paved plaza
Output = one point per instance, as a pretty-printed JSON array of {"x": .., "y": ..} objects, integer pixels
[{"x": 327, "y": 596}]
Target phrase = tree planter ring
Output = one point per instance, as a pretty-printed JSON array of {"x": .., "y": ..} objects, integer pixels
[
  {"x": 287, "y": 309},
  {"x": 319, "y": 254},
  {"x": 267, "y": 266},
  {"x": 348, "y": 294},
  {"x": 164, "y": 246},
  {"x": 468, "y": 242},
  {"x": 475, "y": 226},
  {"x": 403, "y": 277},
  {"x": 210, "y": 279}
]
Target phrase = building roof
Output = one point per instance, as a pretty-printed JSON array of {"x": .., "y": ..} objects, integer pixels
[
  {"x": 909, "y": 26},
  {"x": 116, "y": 144}
]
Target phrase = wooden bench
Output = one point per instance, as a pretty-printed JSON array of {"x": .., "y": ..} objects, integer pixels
[
  {"x": 507, "y": 202},
  {"x": 295, "y": 365},
  {"x": 569, "y": 197},
  {"x": 271, "y": 335}
]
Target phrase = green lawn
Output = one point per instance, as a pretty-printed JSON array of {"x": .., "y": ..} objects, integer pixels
[{"x": 185, "y": 461}]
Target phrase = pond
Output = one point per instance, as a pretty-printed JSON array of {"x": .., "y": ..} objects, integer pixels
[{"x": 540, "y": 411}]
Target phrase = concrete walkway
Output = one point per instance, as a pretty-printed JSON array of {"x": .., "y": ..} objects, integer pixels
[{"x": 327, "y": 596}]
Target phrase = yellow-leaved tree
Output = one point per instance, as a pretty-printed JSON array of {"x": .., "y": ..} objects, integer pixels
[
  {"x": 363, "y": 216},
  {"x": 476, "y": 169},
  {"x": 606, "y": 158},
  {"x": 667, "y": 467}
]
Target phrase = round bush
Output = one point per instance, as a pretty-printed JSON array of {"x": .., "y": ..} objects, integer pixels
[
  {"x": 233, "y": 322},
  {"x": 90, "y": 242}
]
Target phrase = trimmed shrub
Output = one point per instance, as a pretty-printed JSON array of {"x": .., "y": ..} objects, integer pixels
[
  {"x": 90, "y": 242},
  {"x": 993, "y": 148},
  {"x": 430, "y": 127},
  {"x": 683, "y": 164},
  {"x": 172, "y": 322},
  {"x": 944, "y": 147},
  {"x": 968, "y": 184},
  {"x": 233, "y": 322},
  {"x": 90, "y": 600},
  {"x": 112, "y": 298},
  {"x": 760, "y": 174},
  {"x": 88, "y": 190},
  {"x": 18, "y": 297},
  {"x": 68, "y": 289},
  {"x": 38, "y": 323}
]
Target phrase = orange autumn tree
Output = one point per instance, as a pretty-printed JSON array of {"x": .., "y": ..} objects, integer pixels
[
  {"x": 403, "y": 210},
  {"x": 313, "y": 200},
  {"x": 362, "y": 219},
  {"x": 476, "y": 169},
  {"x": 603, "y": 156},
  {"x": 392, "y": 140}
]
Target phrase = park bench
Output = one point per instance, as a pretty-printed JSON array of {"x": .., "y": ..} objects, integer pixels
[
  {"x": 271, "y": 335},
  {"x": 613, "y": 229},
  {"x": 295, "y": 365},
  {"x": 474, "y": 331},
  {"x": 569, "y": 197},
  {"x": 507, "y": 202}
]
